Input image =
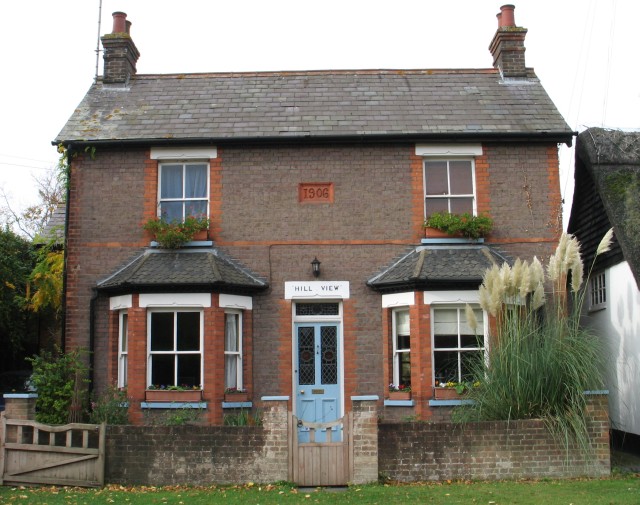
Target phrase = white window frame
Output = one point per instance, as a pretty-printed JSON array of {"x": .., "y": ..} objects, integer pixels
[
  {"x": 448, "y": 195},
  {"x": 397, "y": 351},
  {"x": 123, "y": 348},
  {"x": 485, "y": 330},
  {"x": 238, "y": 353},
  {"x": 184, "y": 199},
  {"x": 174, "y": 352},
  {"x": 598, "y": 291}
]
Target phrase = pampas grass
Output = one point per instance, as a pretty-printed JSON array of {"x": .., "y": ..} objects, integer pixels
[{"x": 541, "y": 361}]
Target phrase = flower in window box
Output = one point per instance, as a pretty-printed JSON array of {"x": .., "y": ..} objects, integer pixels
[
  {"x": 399, "y": 392},
  {"x": 171, "y": 393},
  {"x": 236, "y": 395},
  {"x": 452, "y": 390}
]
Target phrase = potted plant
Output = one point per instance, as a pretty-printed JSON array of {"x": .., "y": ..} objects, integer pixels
[
  {"x": 236, "y": 395},
  {"x": 460, "y": 225},
  {"x": 399, "y": 392},
  {"x": 173, "y": 235},
  {"x": 161, "y": 393},
  {"x": 452, "y": 390}
]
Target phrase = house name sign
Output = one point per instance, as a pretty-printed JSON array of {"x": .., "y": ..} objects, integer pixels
[{"x": 316, "y": 289}]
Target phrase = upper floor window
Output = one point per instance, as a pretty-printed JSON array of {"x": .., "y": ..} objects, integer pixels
[
  {"x": 598, "y": 291},
  {"x": 183, "y": 190},
  {"x": 449, "y": 186},
  {"x": 401, "y": 348},
  {"x": 175, "y": 348},
  {"x": 457, "y": 346},
  {"x": 233, "y": 350}
]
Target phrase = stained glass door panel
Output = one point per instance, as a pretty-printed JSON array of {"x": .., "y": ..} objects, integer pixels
[{"x": 317, "y": 372}]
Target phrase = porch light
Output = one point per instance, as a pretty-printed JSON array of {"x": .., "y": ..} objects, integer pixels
[{"x": 315, "y": 267}]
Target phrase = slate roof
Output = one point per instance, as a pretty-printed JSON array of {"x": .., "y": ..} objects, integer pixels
[
  {"x": 184, "y": 269},
  {"x": 438, "y": 267},
  {"x": 418, "y": 104},
  {"x": 54, "y": 229},
  {"x": 607, "y": 193}
]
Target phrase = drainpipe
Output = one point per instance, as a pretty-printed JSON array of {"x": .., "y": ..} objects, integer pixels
[{"x": 92, "y": 334}]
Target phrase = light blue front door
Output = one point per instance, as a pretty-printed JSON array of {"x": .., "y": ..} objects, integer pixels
[{"x": 317, "y": 372}]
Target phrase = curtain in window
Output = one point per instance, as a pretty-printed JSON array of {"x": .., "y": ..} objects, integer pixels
[
  {"x": 231, "y": 348},
  {"x": 195, "y": 184}
]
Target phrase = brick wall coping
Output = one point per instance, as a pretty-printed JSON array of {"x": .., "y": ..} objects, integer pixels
[
  {"x": 365, "y": 398},
  {"x": 173, "y": 405},
  {"x": 274, "y": 398},
  {"x": 20, "y": 395}
]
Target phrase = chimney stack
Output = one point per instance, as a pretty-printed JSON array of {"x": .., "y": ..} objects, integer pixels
[
  {"x": 120, "y": 53},
  {"x": 507, "y": 46}
]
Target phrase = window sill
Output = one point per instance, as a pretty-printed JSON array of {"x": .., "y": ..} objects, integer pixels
[
  {"x": 173, "y": 405},
  {"x": 237, "y": 405},
  {"x": 399, "y": 403},
  {"x": 192, "y": 243},
  {"x": 452, "y": 240},
  {"x": 449, "y": 403}
]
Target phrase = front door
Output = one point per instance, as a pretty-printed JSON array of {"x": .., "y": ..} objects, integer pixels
[{"x": 317, "y": 373}]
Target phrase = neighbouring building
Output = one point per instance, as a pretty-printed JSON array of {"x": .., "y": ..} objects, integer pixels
[
  {"x": 607, "y": 194},
  {"x": 314, "y": 281}
]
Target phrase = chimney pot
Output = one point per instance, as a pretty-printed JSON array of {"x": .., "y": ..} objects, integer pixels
[
  {"x": 506, "y": 16},
  {"x": 119, "y": 22},
  {"x": 499, "y": 16}
]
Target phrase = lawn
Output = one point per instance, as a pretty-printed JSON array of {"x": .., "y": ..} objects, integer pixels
[{"x": 621, "y": 490}]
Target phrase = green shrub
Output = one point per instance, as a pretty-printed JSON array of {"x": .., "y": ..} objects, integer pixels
[
  {"x": 111, "y": 407},
  {"x": 60, "y": 381}
]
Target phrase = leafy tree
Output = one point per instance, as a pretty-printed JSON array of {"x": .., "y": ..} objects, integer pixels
[
  {"x": 31, "y": 221},
  {"x": 16, "y": 263},
  {"x": 44, "y": 291}
]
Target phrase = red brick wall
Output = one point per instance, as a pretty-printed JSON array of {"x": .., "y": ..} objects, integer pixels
[{"x": 376, "y": 216}]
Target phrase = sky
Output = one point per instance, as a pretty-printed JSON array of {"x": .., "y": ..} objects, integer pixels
[{"x": 583, "y": 51}]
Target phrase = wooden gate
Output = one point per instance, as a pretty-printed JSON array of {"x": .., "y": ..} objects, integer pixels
[
  {"x": 327, "y": 463},
  {"x": 68, "y": 455}
]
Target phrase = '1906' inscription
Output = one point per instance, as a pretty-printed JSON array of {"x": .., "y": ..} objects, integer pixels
[{"x": 315, "y": 192}]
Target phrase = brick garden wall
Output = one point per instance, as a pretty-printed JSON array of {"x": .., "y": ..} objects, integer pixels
[
  {"x": 199, "y": 455},
  {"x": 411, "y": 452}
]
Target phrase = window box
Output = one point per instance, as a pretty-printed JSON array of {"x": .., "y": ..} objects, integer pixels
[
  {"x": 236, "y": 397},
  {"x": 435, "y": 233},
  {"x": 399, "y": 395},
  {"x": 164, "y": 395},
  {"x": 446, "y": 394}
]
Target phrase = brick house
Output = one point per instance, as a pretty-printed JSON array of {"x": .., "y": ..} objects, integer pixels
[{"x": 291, "y": 167}]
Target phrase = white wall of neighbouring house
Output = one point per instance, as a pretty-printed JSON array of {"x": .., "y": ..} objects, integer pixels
[{"x": 619, "y": 326}]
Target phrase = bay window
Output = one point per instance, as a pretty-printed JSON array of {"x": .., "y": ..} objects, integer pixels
[
  {"x": 175, "y": 348},
  {"x": 123, "y": 342},
  {"x": 458, "y": 344},
  {"x": 233, "y": 350},
  {"x": 401, "y": 348}
]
